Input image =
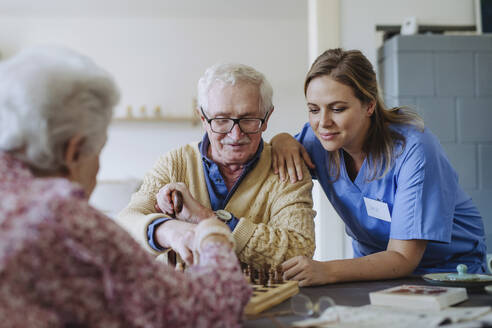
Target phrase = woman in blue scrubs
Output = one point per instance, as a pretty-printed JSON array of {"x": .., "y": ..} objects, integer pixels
[{"x": 385, "y": 174}]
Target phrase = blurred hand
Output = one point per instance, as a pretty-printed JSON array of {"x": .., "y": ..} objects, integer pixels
[
  {"x": 180, "y": 236},
  {"x": 210, "y": 224},
  {"x": 305, "y": 270},
  {"x": 287, "y": 157},
  {"x": 192, "y": 211}
]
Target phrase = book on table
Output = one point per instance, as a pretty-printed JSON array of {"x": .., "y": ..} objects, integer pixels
[{"x": 419, "y": 297}]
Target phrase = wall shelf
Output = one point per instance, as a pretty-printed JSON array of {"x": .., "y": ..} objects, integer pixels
[
  {"x": 163, "y": 119},
  {"x": 157, "y": 116}
]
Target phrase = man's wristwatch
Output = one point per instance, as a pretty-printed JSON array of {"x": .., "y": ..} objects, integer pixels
[{"x": 223, "y": 215}]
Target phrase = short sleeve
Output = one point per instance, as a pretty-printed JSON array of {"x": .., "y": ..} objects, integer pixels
[
  {"x": 425, "y": 194},
  {"x": 310, "y": 142}
]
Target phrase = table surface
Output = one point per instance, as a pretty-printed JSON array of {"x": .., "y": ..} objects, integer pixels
[{"x": 353, "y": 294}]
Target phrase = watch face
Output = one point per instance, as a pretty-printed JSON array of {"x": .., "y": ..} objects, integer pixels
[{"x": 223, "y": 215}]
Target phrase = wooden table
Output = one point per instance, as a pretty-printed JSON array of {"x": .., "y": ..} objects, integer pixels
[{"x": 353, "y": 294}]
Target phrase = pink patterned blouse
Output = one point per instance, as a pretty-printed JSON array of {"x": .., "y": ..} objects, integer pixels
[{"x": 64, "y": 264}]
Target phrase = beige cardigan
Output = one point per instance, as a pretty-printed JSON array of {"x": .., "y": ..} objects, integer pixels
[{"x": 276, "y": 218}]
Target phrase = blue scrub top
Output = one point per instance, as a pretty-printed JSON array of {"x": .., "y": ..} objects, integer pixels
[{"x": 424, "y": 200}]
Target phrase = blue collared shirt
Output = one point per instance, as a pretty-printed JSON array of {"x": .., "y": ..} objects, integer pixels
[{"x": 217, "y": 190}]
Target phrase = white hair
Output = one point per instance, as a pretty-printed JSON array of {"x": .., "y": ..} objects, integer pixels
[
  {"x": 231, "y": 74},
  {"x": 47, "y": 96}
]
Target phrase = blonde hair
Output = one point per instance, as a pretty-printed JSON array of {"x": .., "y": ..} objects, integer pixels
[{"x": 354, "y": 70}]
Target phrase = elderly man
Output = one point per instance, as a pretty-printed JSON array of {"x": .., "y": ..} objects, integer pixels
[{"x": 227, "y": 174}]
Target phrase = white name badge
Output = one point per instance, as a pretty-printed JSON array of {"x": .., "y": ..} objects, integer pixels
[{"x": 377, "y": 209}]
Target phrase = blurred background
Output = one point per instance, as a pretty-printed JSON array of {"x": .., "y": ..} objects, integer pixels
[{"x": 158, "y": 49}]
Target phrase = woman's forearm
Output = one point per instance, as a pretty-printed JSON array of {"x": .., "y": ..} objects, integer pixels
[{"x": 383, "y": 265}]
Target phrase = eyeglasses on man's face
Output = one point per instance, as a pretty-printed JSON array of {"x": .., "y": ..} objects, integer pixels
[{"x": 225, "y": 125}]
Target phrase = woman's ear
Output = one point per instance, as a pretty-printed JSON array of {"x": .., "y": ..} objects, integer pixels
[
  {"x": 370, "y": 108},
  {"x": 72, "y": 151}
]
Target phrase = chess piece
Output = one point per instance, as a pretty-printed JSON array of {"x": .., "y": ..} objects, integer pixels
[
  {"x": 247, "y": 274},
  {"x": 252, "y": 274},
  {"x": 263, "y": 277},
  {"x": 266, "y": 270},
  {"x": 271, "y": 277},
  {"x": 279, "y": 275}
]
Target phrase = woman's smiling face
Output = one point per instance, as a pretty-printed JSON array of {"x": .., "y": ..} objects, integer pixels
[{"x": 337, "y": 117}]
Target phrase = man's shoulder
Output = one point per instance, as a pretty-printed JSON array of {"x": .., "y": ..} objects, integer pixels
[
  {"x": 267, "y": 148},
  {"x": 265, "y": 167},
  {"x": 191, "y": 148},
  {"x": 188, "y": 151}
]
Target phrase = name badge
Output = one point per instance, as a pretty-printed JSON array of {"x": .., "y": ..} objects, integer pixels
[{"x": 377, "y": 209}]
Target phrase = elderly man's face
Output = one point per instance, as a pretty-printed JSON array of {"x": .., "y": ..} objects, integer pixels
[{"x": 241, "y": 100}]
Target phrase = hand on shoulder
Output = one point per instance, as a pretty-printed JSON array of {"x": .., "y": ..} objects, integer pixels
[{"x": 287, "y": 157}]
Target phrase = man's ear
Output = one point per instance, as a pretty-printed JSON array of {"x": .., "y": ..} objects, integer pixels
[
  {"x": 264, "y": 126},
  {"x": 72, "y": 150},
  {"x": 204, "y": 121}
]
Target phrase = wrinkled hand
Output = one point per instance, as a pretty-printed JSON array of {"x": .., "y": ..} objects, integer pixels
[
  {"x": 210, "y": 224},
  {"x": 287, "y": 157},
  {"x": 305, "y": 270},
  {"x": 184, "y": 244},
  {"x": 192, "y": 211}
]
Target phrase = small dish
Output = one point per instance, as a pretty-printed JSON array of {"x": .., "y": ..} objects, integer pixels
[
  {"x": 459, "y": 279},
  {"x": 442, "y": 279}
]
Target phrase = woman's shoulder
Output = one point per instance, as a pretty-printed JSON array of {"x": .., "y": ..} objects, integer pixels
[
  {"x": 416, "y": 137},
  {"x": 67, "y": 208},
  {"x": 43, "y": 204},
  {"x": 421, "y": 147},
  {"x": 60, "y": 190},
  {"x": 59, "y": 200},
  {"x": 306, "y": 132}
]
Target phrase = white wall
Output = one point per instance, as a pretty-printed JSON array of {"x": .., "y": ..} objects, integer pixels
[
  {"x": 157, "y": 50},
  {"x": 358, "y": 18}
]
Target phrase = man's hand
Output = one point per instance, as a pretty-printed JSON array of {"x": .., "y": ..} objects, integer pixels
[
  {"x": 287, "y": 157},
  {"x": 308, "y": 272},
  {"x": 192, "y": 210}
]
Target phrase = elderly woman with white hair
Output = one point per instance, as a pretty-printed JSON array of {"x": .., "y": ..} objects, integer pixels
[{"x": 63, "y": 263}]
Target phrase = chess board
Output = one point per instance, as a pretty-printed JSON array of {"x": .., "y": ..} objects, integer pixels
[
  {"x": 269, "y": 288},
  {"x": 264, "y": 297}
]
